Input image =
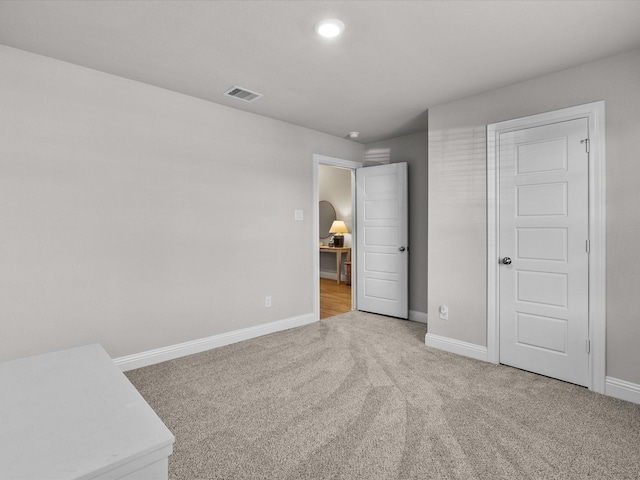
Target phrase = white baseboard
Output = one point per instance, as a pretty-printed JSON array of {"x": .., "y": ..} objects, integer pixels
[
  {"x": 416, "y": 316},
  {"x": 456, "y": 346},
  {"x": 622, "y": 389},
  {"x": 614, "y": 387},
  {"x": 332, "y": 275},
  {"x": 150, "y": 357}
]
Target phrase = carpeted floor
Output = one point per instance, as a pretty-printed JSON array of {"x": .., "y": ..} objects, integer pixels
[{"x": 359, "y": 396}]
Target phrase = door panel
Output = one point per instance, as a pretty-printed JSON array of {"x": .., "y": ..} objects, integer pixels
[
  {"x": 541, "y": 243},
  {"x": 546, "y": 156},
  {"x": 382, "y": 236},
  {"x": 542, "y": 332},
  {"x": 541, "y": 200},
  {"x": 544, "y": 302},
  {"x": 542, "y": 288}
]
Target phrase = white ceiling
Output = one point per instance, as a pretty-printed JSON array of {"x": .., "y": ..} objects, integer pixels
[{"x": 394, "y": 60}]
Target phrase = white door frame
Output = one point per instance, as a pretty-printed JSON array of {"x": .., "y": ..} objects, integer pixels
[
  {"x": 348, "y": 164},
  {"x": 595, "y": 114}
]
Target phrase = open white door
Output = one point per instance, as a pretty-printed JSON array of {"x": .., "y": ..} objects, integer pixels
[{"x": 382, "y": 240}]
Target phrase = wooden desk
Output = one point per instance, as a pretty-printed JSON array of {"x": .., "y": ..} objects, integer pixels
[
  {"x": 74, "y": 415},
  {"x": 338, "y": 252}
]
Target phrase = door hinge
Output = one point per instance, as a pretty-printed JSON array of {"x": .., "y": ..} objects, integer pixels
[
  {"x": 587, "y": 245},
  {"x": 586, "y": 144},
  {"x": 588, "y": 346}
]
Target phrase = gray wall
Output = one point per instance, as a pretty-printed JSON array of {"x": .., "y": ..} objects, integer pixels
[
  {"x": 457, "y": 198},
  {"x": 413, "y": 150},
  {"x": 139, "y": 218}
]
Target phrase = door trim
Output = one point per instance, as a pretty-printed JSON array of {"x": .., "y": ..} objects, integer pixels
[
  {"x": 595, "y": 115},
  {"x": 350, "y": 165}
]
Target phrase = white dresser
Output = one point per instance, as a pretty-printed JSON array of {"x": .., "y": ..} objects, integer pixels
[{"x": 74, "y": 415}]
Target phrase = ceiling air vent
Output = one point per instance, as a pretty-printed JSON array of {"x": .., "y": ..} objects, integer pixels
[{"x": 242, "y": 94}]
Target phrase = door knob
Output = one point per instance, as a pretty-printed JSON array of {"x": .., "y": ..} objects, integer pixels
[
  {"x": 506, "y": 260},
  {"x": 402, "y": 249}
]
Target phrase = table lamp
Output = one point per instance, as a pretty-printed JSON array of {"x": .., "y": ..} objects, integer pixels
[{"x": 338, "y": 228}]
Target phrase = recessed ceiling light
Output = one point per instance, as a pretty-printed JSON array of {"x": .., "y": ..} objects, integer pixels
[
  {"x": 331, "y": 27},
  {"x": 353, "y": 135}
]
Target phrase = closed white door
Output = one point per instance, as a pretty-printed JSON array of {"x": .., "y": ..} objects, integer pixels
[
  {"x": 382, "y": 236},
  {"x": 544, "y": 271}
]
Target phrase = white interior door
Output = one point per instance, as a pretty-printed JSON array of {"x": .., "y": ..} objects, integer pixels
[
  {"x": 543, "y": 244},
  {"x": 382, "y": 240}
]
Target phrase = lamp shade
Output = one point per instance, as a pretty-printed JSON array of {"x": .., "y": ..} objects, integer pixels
[{"x": 338, "y": 226}]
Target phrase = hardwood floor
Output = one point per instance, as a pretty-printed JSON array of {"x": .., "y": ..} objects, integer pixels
[{"x": 334, "y": 299}]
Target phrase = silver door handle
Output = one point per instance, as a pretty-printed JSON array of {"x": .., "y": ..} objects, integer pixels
[
  {"x": 506, "y": 260},
  {"x": 402, "y": 249}
]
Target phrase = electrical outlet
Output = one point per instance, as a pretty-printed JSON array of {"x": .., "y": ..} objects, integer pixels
[
  {"x": 298, "y": 215},
  {"x": 444, "y": 312},
  {"x": 267, "y": 301}
]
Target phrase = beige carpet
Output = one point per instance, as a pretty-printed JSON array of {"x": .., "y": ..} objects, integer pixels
[{"x": 359, "y": 396}]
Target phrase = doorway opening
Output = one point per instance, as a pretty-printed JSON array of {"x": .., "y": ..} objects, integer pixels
[
  {"x": 335, "y": 200},
  {"x": 334, "y": 185}
]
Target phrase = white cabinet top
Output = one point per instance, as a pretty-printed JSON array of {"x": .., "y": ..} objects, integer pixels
[{"x": 73, "y": 415}]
